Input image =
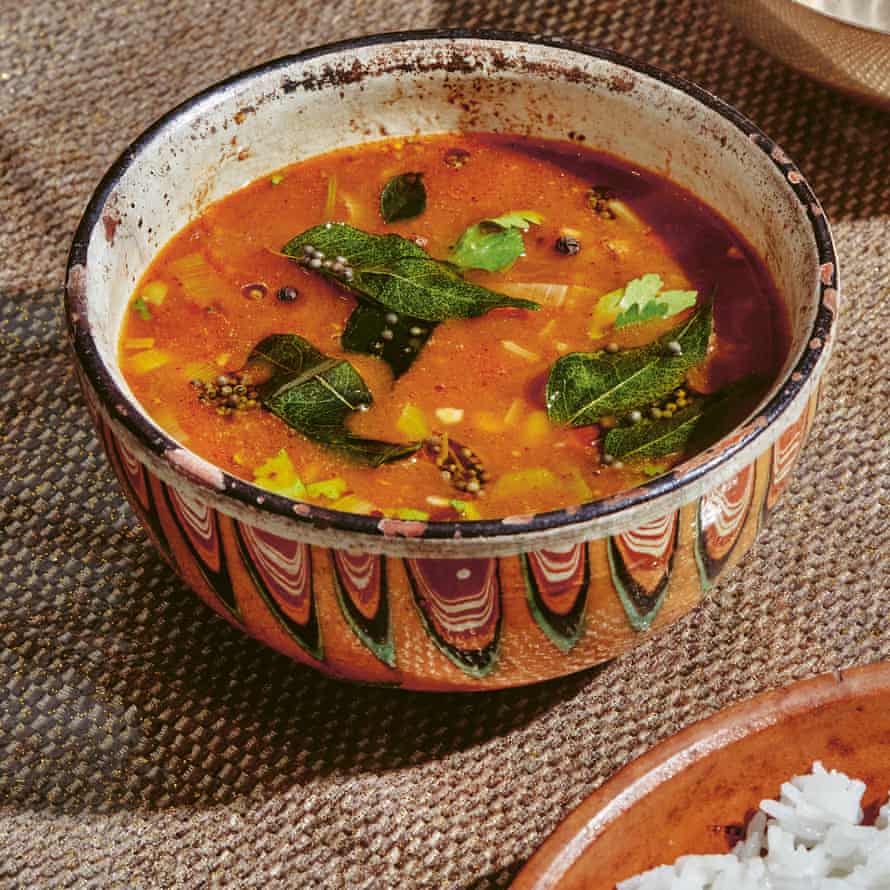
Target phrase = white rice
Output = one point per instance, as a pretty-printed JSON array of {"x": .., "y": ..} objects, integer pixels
[{"x": 809, "y": 839}]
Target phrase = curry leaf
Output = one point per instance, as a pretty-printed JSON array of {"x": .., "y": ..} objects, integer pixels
[
  {"x": 644, "y": 300},
  {"x": 397, "y": 274},
  {"x": 372, "y": 452},
  {"x": 397, "y": 339},
  {"x": 693, "y": 428},
  {"x": 586, "y": 386},
  {"x": 403, "y": 197},
  {"x": 494, "y": 244},
  {"x": 315, "y": 394},
  {"x": 654, "y": 438}
]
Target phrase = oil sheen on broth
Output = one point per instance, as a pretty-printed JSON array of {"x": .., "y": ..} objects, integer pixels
[{"x": 631, "y": 326}]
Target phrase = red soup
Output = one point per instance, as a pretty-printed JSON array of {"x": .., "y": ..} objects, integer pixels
[{"x": 454, "y": 326}]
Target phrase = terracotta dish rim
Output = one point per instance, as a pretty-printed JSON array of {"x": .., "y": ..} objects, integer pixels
[{"x": 580, "y": 829}]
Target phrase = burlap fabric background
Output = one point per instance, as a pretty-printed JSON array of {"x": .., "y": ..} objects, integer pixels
[{"x": 145, "y": 743}]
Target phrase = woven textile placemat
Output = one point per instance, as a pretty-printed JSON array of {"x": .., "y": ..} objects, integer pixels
[{"x": 144, "y": 743}]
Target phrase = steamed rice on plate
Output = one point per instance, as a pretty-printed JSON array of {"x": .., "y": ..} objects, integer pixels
[{"x": 811, "y": 838}]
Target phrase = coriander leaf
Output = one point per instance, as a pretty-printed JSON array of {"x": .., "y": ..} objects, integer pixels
[
  {"x": 488, "y": 247},
  {"x": 397, "y": 339},
  {"x": 640, "y": 291},
  {"x": 494, "y": 244},
  {"x": 395, "y": 273},
  {"x": 403, "y": 197},
  {"x": 586, "y": 386},
  {"x": 678, "y": 300},
  {"x": 644, "y": 300},
  {"x": 315, "y": 394},
  {"x": 140, "y": 307},
  {"x": 517, "y": 219}
]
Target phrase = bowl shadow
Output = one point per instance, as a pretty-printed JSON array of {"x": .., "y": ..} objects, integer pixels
[{"x": 127, "y": 692}]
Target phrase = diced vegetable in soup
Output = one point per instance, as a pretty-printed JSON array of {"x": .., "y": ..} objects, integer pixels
[{"x": 457, "y": 326}]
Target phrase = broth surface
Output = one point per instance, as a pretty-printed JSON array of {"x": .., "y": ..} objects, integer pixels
[{"x": 211, "y": 295}]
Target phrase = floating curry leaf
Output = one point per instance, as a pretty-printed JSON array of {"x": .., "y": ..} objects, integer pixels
[
  {"x": 395, "y": 273},
  {"x": 403, "y": 197},
  {"x": 397, "y": 339},
  {"x": 494, "y": 244},
  {"x": 315, "y": 394},
  {"x": 586, "y": 386},
  {"x": 654, "y": 438},
  {"x": 644, "y": 300},
  {"x": 693, "y": 428},
  {"x": 373, "y": 452}
]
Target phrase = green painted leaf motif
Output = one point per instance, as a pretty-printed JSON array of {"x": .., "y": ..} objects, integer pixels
[
  {"x": 584, "y": 387},
  {"x": 494, "y": 244},
  {"x": 397, "y": 339},
  {"x": 644, "y": 300},
  {"x": 315, "y": 394},
  {"x": 403, "y": 197},
  {"x": 395, "y": 273}
]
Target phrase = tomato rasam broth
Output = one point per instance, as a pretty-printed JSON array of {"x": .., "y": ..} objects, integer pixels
[{"x": 511, "y": 411}]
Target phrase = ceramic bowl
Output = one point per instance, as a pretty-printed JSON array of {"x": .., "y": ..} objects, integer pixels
[
  {"x": 694, "y": 792},
  {"x": 450, "y": 605},
  {"x": 843, "y": 43}
]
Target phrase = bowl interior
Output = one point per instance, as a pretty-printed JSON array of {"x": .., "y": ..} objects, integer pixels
[{"x": 412, "y": 84}]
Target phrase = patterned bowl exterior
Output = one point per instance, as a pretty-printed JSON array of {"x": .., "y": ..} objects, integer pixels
[
  {"x": 454, "y": 623},
  {"x": 461, "y": 606}
]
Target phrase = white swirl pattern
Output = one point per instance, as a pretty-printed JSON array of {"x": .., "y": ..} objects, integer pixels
[
  {"x": 472, "y": 609},
  {"x": 197, "y": 518},
  {"x": 785, "y": 452},
  {"x": 359, "y": 571},
  {"x": 131, "y": 465},
  {"x": 559, "y": 566},
  {"x": 133, "y": 469},
  {"x": 652, "y": 538},
  {"x": 283, "y": 563},
  {"x": 723, "y": 509}
]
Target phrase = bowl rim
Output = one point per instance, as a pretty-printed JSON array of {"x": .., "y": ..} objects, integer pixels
[
  {"x": 129, "y": 413},
  {"x": 841, "y": 20},
  {"x": 568, "y": 842}
]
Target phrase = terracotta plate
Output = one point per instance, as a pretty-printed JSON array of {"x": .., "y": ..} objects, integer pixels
[{"x": 693, "y": 792}]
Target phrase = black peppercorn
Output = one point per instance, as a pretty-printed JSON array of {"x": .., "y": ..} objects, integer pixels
[
  {"x": 287, "y": 294},
  {"x": 567, "y": 245}
]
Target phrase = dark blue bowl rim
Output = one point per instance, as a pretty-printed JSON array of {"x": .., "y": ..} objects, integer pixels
[{"x": 158, "y": 443}]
